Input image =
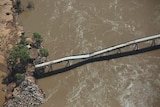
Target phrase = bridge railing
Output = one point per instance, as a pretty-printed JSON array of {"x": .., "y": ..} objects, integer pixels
[{"x": 90, "y": 55}]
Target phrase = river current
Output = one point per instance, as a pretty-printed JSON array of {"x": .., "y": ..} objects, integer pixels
[{"x": 71, "y": 27}]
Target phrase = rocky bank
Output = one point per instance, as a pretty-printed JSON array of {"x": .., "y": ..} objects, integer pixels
[{"x": 27, "y": 94}]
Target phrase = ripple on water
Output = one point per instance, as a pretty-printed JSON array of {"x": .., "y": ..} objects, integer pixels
[{"x": 118, "y": 84}]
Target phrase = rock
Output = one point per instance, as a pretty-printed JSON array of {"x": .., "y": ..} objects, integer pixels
[
  {"x": 4, "y": 89},
  {"x": 19, "y": 33},
  {"x": 29, "y": 46},
  {"x": 30, "y": 69},
  {"x": 27, "y": 94},
  {"x": 29, "y": 40},
  {"x": 39, "y": 60},
  {"x": 11, "y": 87},
  {"x": 9, "y": 96},
  {"x": 33, "y": 53},
  {"x": 15, "y": 92},
  {"x": 43, "y": 59}
]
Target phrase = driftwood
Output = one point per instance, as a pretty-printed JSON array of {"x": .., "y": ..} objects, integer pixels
[{"x": 90, "y": 55}]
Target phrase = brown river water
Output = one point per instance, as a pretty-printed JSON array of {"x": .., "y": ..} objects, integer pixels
[{"x": 71, "y": 27}]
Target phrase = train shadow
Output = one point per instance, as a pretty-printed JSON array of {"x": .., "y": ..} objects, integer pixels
[{"x": 96, "y": 59}]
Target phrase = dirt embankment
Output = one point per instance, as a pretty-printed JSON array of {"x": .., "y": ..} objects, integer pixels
[
  {"x": 9, "y": 32},
  {"x": 27, "y": 93}
]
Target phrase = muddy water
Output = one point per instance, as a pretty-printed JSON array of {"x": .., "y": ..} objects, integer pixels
[{"x": 80, "y": 26}]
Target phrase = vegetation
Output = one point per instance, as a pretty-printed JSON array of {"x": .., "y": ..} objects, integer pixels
[
  {"x": 23, "y": 40},
  {"x": 43, "y": 52},
  {"x": 18, "y": 55},
  {"x": 17, "y": 6},
  {"x": 19, "y": 76},
  {"x": 30, "y": 5},
  {"x": 38, "y": 39}
]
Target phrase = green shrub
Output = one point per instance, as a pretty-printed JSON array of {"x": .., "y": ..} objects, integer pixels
[
  {"x": 43, "y": 52},
  {"x": 19, "y": 76},
  {"x": 23, "y": 40},
  {"x": 19, "y": 54},
  {"x": 37, "y": 38}
]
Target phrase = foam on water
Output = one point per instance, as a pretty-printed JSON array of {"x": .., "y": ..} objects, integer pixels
[{"x": 131, "y": 87}]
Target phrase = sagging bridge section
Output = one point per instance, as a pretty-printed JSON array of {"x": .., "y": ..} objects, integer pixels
[{"x": 133, "y": 43}]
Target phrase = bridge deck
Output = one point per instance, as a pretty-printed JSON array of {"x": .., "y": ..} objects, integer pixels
[{"x": 90, "y": 55}]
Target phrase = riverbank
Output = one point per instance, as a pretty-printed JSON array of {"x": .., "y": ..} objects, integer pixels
[
  {"x": 27, "y": 94},
  {"x": 10, "y": 32},
  {"x": 2, "y": 94}
]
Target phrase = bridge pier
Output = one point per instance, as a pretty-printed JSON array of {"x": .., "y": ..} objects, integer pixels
[
  {"x": 153, "y": 42},
  {"x": 68, "y": 63},
  {"x": 136, "y": 46},
  {"x": 50, "y": 68},
  {"x": 119, "y": 51}
]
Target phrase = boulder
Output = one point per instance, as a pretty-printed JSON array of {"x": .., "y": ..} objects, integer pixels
[
  {"x": 9, "y": 96},
  {"x": 33, "y": 53},
  {"x": 30, "y": 69},
  {"x": 29, "y": 40},
  {"x": 11, "y": 87}
]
